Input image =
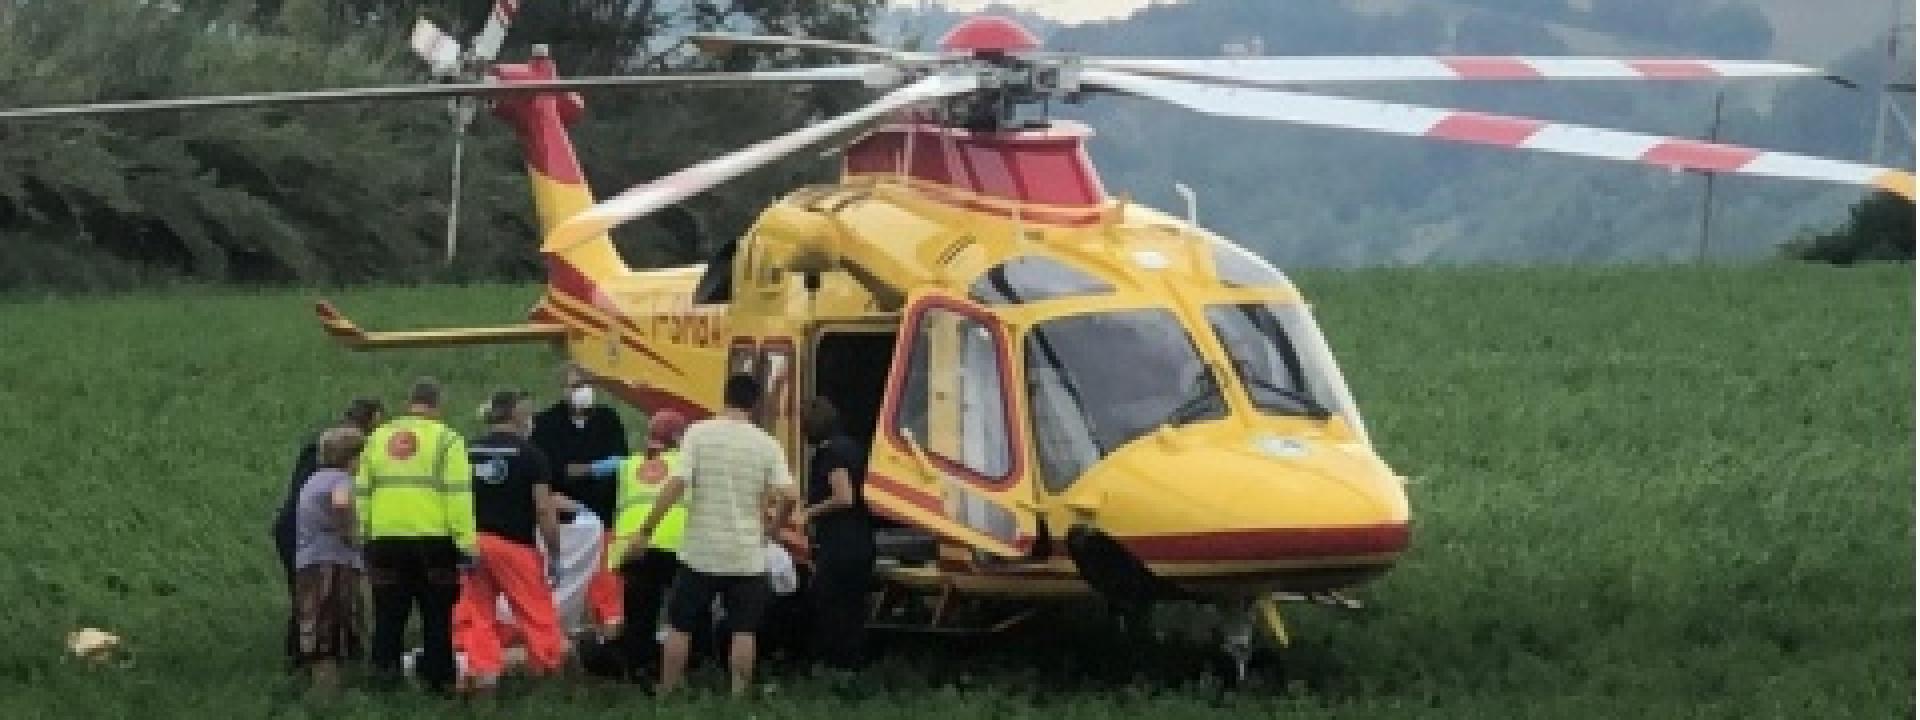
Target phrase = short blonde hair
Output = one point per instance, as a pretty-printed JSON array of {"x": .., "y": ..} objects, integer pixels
[{"x": 340, "y": 445}]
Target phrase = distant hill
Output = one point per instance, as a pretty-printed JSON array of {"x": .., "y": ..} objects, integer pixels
[{"x": 1309, "y": 196}]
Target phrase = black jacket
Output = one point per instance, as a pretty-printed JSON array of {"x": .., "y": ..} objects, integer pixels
[
  {"x": 303, "y": 467},
  {"x": 602, "y": 436}
]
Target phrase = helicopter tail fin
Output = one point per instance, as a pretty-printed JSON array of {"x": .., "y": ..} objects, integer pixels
[{"x": 559, "y": 186}]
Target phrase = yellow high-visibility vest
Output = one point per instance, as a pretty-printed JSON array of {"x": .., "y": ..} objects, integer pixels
[
  {"x": 414, "y": 481},
  {"x": 641, "y": 480}
]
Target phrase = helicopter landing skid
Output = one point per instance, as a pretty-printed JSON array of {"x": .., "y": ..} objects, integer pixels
[{"x": 946, "y": 612}]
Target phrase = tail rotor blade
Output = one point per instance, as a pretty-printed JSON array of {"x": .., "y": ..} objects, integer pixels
[
  {"x": 651, "y": 197},
  {"x": 439, "y": 50},
  {"x": 1498, "y": 130},
  {"x": 487, "y": 44}
]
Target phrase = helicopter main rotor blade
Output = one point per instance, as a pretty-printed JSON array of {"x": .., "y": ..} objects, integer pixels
[
  {"x": 1333, "y": 69},
  {"x": 1498, "y": 130},
  {"x": 651, "y": 197},
  {"x": 845, "y": 73},
  {"x": 719, "y": 43},
  {"x": 487, "y": 44}
]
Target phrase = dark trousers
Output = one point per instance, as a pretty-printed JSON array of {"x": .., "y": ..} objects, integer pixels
[
  {"x": 283, "y": 545},
  {"x": 644, "y": 585},
  {"x": 407, "y": 574},
  {"x": 843, "y": 571}
]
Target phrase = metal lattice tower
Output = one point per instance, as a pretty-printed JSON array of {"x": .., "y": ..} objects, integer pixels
[{"x": 1896, "y": 89}]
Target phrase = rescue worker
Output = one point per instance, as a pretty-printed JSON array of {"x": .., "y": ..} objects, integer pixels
[
  {"x": 574, "y": 433},
  {"x": 413, "y": 493},
  {"x": 841, "y": 536},
  {"x": 511, "y": 499},
  {"x": 363, "y": 414},
  {"x": 731, "y": 471},
  {"x": 646, "y": 565}
]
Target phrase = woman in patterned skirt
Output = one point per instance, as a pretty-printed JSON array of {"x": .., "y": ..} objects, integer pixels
[{"x": 327, "y": 566}]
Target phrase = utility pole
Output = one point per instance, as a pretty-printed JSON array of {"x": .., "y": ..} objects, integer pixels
[{"x": 1706, "y": 201}]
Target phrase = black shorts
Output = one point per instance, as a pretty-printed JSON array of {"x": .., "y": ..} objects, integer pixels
[{"x": 744, "y": 598}]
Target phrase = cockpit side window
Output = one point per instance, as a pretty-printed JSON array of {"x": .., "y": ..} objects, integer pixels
[
  {"x": 1033, "y": 278},
  {"x": 1238, "y": 267}
]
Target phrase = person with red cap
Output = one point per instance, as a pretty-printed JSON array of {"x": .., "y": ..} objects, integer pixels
[{"x": 646, "y": 565}]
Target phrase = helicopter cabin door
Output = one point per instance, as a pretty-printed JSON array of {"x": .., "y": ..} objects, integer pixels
[{"x": 946, "y": 455}]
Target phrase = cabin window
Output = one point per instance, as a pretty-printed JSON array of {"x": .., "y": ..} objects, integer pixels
[
  {"x": 776, "y": 386},
  {"x": 1034, "y": 278},
  {"x": 952, "y": 398},
  {"x": 1238, "y": 267}
]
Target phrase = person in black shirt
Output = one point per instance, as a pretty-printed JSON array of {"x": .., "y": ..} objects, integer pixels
[
  {"x": 841, "y": 535},
  {"x": 511, "y": 498},
  {"x": 574, "y": 433},
  {"x": 364, "y": 414}
]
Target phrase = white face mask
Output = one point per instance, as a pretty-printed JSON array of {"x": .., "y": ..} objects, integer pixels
[{"x": 581, "y": 398}]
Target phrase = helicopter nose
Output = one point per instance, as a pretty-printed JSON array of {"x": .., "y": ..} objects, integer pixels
[{"x": 1265, "y": 500}]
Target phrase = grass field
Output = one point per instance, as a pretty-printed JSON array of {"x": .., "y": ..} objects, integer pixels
[{"x": 1645, "y": 493}]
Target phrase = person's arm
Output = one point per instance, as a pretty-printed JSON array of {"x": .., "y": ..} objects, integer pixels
[
  {"x": 456, "y": 481},
  {"x": 781, "y": 493},
  {"x": 669, "y": 494},
  {"x": 618, "y": 444},
  {"x": 545, "y": 503},
  {"x": 841, "y": 484},
  {"x": 341, "y": 500},
  {"x": 363, "y": 497}
]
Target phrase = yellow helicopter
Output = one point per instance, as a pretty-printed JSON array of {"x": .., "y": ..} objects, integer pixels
[{"x": 1067, "y": 394}]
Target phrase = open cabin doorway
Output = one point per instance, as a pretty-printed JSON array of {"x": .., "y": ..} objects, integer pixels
[{"x": 850, "y": 367}]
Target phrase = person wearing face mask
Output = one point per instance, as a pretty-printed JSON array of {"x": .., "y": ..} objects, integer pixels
[
  {"x": 511, "y": 500},
  {"x": 574, "y": 433}
]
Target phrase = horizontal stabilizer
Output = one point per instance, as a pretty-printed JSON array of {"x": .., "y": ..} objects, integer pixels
[{"x": 350, "y": 335}]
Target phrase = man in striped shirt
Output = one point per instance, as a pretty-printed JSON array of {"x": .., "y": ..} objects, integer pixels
[{"x": 731, "y": 471}]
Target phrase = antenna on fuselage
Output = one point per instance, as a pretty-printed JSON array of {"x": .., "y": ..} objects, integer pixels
[{"x": 1193, "y": 205}]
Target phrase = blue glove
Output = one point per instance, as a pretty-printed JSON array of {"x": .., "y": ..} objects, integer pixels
[{"x": 606, "y": 466}]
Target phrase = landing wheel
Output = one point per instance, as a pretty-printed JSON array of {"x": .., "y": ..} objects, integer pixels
[{"x": 1241, "y": 656}]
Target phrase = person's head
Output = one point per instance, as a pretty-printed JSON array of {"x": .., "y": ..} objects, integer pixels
[
  {"x": 507, "y": 410},
  {"x": 364, "y": 413},
  {"x": 820, "y": 420},
  {"x": 576, "y": 387},
  {"x": 340, "y": 447},
  {"x": 742, "y": 393},
  {"x": 424, "y": 398},
  {"x": 664, "y": 429}
]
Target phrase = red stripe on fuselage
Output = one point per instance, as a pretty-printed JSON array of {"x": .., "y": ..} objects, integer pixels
[
  {"x": 1274, "y": 543},
  {"x": 911, "y": 495},
  {"x": 653, "y": 399}
]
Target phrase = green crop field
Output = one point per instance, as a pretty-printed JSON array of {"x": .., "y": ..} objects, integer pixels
[{"x": 1642, "y": 493}]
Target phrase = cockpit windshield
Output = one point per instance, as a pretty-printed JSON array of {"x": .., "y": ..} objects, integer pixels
[
  {"x": 1282, "y": 360},
  {"x": 1098, "y": 380}
]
